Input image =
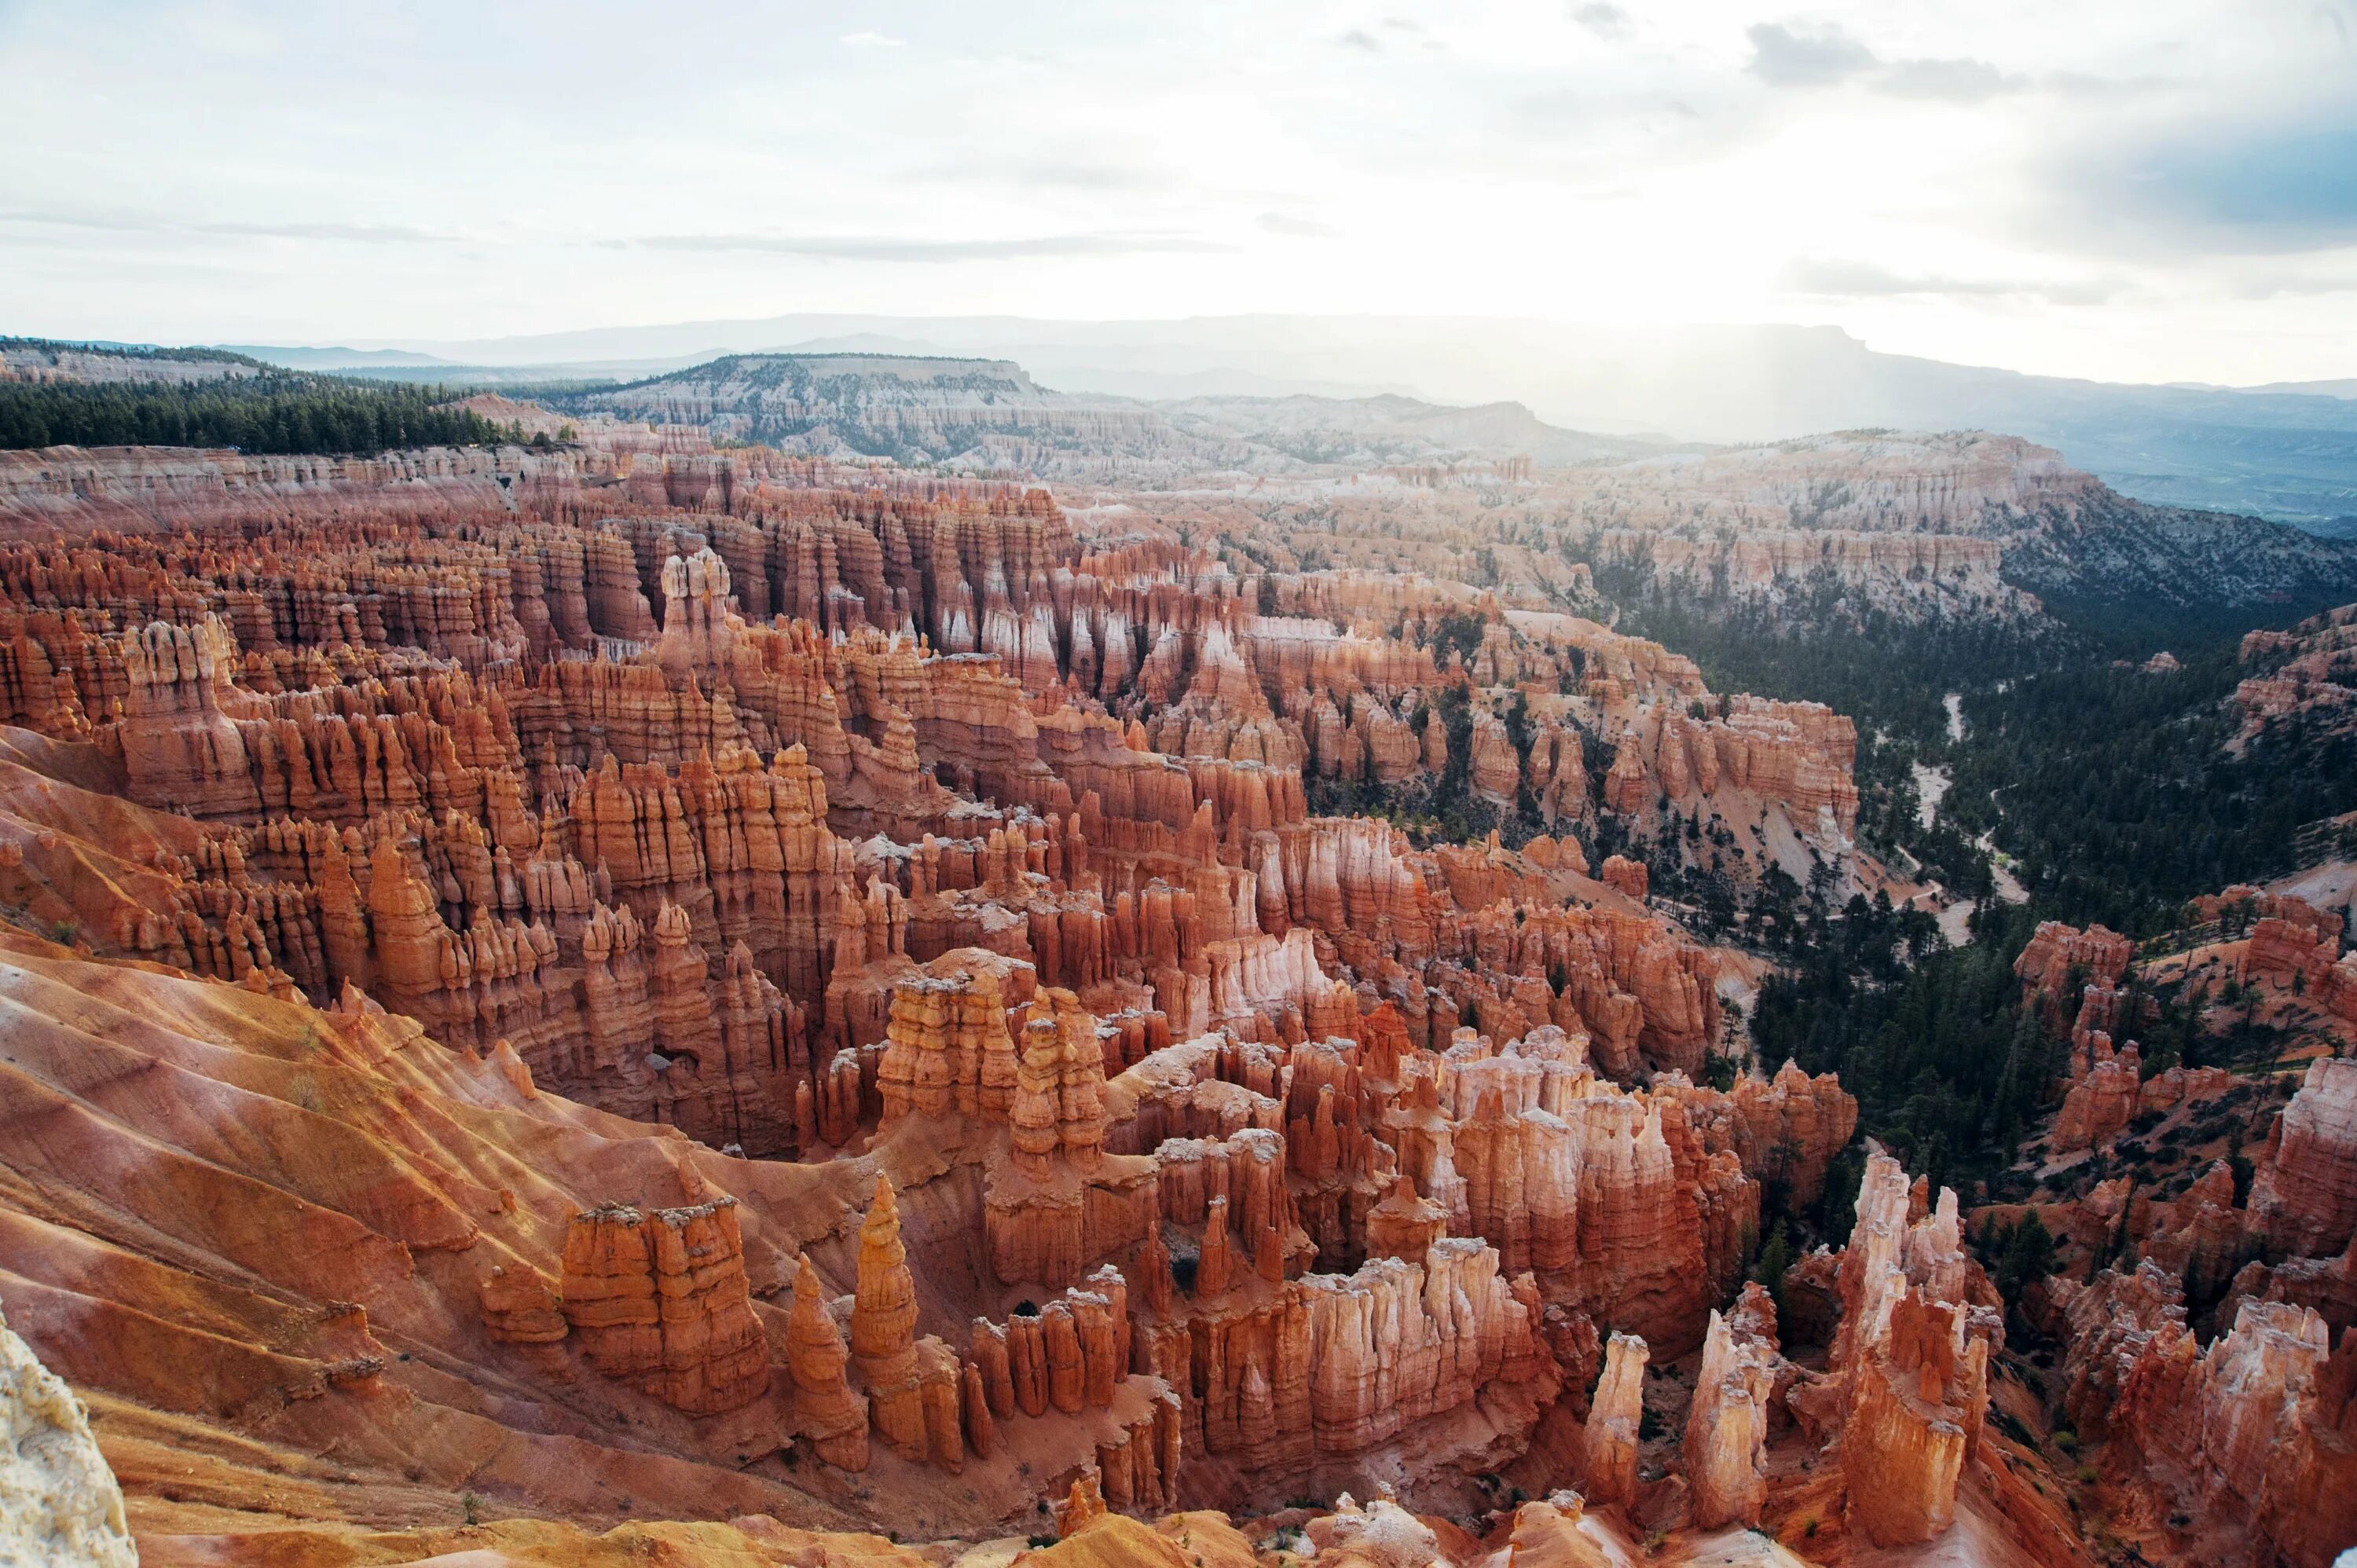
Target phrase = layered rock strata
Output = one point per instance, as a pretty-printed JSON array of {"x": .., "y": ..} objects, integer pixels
[{"x": 658, "y": 1299}]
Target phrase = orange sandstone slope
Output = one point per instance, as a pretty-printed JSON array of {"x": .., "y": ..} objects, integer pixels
[{"x": 261, "y": 1237}]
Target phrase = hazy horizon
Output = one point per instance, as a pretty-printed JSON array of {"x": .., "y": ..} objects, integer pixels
[
  {"x": 566, "y": 346},
  {"x": 2161, "y": 194}
]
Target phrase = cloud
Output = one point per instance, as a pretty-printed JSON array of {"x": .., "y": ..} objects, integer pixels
[
  {"x": 2086, "y": 87},
  {"x": 1304, "y": 228},
  {"x": 1090, "y": 176},
  {"x": 1806, "y": 57},
  {"x": 1842, "y": 278},
  {"x": 1606, "y": 21},
  {"x": 2291, "y": 285},
  {"x": 865, "y": 40},
  {"x": 359, "y": 233},
  {"x": 1796, "y": 56},
  {"x": 1961, "y": 80},
  {"x": 1360, "y": 38},
  {"x": 132, "y": 223},
  {"x": 80, "y": 221},
  {"x": 1048, "y": 174},
  {"x": 898, "y": 248}
]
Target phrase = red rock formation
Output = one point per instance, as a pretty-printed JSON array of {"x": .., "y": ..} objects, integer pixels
[
  {"x": 181, "y": 746},
  {"x": 520, "y": 1308},
  {"x": 2055, "y": 951},
  {"x": 1628, "y": 876},
  {"x": 1910, "y": 1361},
  {"x": 883, "y": 1328},
  {"x": 658, "y": 1299},
  {"x": 947, "y": 1045},
  {"x": 1387, "y": 1355},
  {"x": 2101, "y": 1100},
  {"x": 2291, "y": 941},
  {"x": 1496, "y": 769},
  {"x": 2308, "y": 673},
  {"x": 2200, "y": 1237},
  {"x": 2249, "y": 1441},
  {"x": 1725, "y": 1451},
  {"x": 1404, "y": 1225},
  {"x": 2306, "y": 1197},
  {"x": 1608, "y": 1195},
  {"x": 1798, "y": 755},
  {"x": 1913, "y": 1418},
  {"x": 1785, "y": 1130},
  {"x": 831, "y": 1418},
  {"x": 695, "y": 633},
  {"x": 1609, "y": 1443},
  {"x": 1081, "y": 1508}
]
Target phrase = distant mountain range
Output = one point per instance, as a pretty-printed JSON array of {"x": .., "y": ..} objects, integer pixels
[
  {"x": 990, "y": 415},
  {"x": 2059, "y": 533},
  {"x": 2288, "y": 452},
  {"x": 334, "y": 358}
]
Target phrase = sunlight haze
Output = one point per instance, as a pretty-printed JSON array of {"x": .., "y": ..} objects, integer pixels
[{"x": 2151, "y": 193}]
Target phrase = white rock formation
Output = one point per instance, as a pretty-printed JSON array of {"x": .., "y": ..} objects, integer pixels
[{"x": 58, "y": 1502}]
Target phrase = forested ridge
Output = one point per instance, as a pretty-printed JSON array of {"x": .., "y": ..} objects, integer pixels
[
  {"x": 132, "y": 352},
  {"x": 2109, "y": 786},
  {"x": 268, "y": 412}
]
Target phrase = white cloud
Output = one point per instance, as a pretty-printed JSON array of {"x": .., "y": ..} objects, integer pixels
[
  {"x": 1295, "y": 225},
  {"x": 874, "y": 41},
  {"x": 1602, "y": 18}
]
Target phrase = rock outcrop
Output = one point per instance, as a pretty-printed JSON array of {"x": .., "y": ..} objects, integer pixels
[
  {"x": 833, "y": 1419},
  {"x": 658, "y": 1299},
  {"x": 883, "y": 1328},
  {"x": 1609, "y": 1441},
  {"x": 58, "y": 1502},
  {"x": 2306, "y": 1197},
  {"x": 1725, "y": 1452},
  {"x": 1785, "y": 1130},
  {"x": 2102, "y": 1097},
  {"x": 1907, "y": 1389},
  {"x": 2248, "y": 1440},
  {"x": 2057, "y": 952}
]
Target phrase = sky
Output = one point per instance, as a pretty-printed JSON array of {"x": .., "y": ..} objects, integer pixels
[{"x": 2154, "y": 190}]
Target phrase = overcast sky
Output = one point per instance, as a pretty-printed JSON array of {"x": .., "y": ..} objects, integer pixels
[{"x": 2141, "y": 190}]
